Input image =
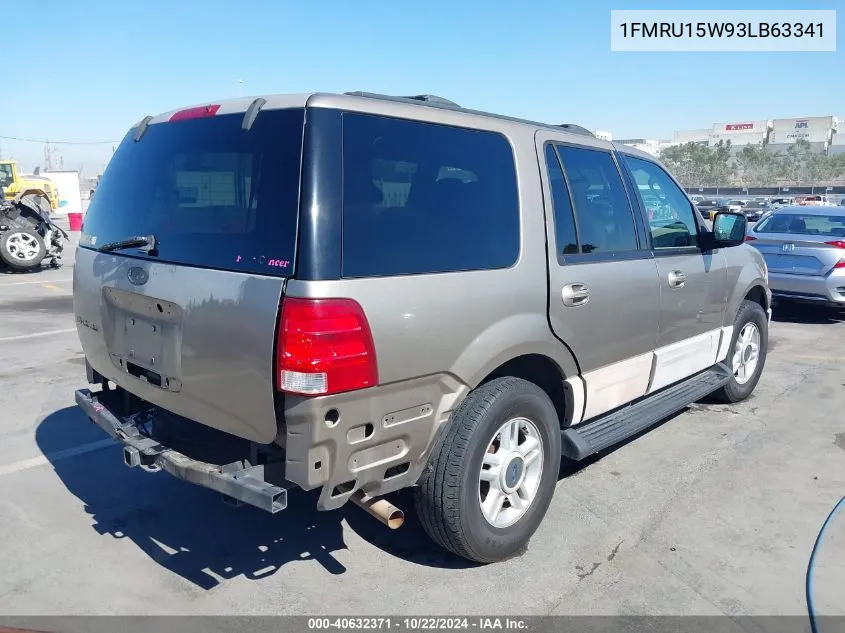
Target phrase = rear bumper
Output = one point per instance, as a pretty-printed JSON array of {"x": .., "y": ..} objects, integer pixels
[
  {"x": 828, "y": 290},
  {"x": 371, "y": 441},
  {"x": 239, "y": 481}
]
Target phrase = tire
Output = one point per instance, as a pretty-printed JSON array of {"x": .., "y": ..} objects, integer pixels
[
  {"x": 741, "y": 386},
  {"x": 448, "y": 498},
  {"x": 21, "y": 248}
]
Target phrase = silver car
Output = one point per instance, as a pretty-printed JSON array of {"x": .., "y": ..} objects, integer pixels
[
  {"x": 804, "y": 249},
  {"x": 364, "y": 293}
]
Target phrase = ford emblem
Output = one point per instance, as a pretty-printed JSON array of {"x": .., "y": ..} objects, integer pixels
[{"x": 137, "y": 276}]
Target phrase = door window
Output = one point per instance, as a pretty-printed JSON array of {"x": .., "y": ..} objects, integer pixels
[
  {"x": 604, "y": 219},
  {"x": 670, "y": 214}
]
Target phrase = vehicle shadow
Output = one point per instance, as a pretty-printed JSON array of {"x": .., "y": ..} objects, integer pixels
[
  {"x": 806, "y": 314},
  {"x": 19, "y": 273},
  {"x": 190, "y": 532}
]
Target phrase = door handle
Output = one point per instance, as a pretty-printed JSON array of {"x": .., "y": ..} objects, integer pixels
[
  {"x": 575, "y": 295},
  {"x": 677, "y": 279}
]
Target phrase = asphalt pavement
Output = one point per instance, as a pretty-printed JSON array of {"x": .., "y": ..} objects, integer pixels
[{"x": 713, "y": 512}]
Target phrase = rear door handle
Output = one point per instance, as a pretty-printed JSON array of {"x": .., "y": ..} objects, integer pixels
[
  {"x": 677, "y": 279},
  {"x": 575, "y": 295}
]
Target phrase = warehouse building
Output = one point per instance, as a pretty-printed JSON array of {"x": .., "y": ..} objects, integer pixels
[
  {"x": 700, "y": 137},
  {"x": 650, "y": 146},
  {"x": 837, "y": 145}
]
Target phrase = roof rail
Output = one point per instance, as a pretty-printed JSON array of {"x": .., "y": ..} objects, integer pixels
[
  {"x": 434, "y": 99},
  {"x": 576, "y": 129},
  {"x": 430, "y": 99}
]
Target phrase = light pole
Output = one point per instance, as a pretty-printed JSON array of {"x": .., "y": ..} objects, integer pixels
[{"x": 240, "y": 87}]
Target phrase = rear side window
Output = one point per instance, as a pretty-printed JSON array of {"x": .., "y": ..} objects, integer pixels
[
  {"x": 605, "y": 220},
  {"x": 426, "y": 198},
  {"x": 212, "y": 194}
]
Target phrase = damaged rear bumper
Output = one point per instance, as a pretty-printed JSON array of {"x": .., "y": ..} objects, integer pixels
[{"x": 238, "y": 481}]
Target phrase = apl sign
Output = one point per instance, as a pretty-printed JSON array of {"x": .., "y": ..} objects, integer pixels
[{"x": 802, "y": 125}]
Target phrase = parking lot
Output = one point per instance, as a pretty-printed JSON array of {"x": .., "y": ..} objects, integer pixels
[{"x": 714, "y": 511}]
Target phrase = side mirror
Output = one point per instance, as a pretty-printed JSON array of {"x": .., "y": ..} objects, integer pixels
[{"x": 729, "y": 229}]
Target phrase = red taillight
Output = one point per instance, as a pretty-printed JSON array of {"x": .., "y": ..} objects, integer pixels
[
  {"x": 750, "y": 238},
  {"x": 836, "y": 243},
  {"x": 195, "y": 113},
  {"x": 325, "y": 346},
  {"x": 840, "y": 264}
]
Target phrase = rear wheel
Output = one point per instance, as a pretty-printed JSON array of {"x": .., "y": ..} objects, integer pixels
[
  {"x": 22, "y": 249},
  {"x": 492, "y": 476},
  {"x": 747, "y": 354}
]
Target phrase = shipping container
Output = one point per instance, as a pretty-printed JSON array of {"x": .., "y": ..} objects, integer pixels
[
  {"x": 741, "y": 132},
  {"x": 819, "y": 129}
]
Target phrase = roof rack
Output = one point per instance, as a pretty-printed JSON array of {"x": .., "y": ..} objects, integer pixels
[
  {"x": 576, "y": 129},
  {"x": 430, "y": 99}
]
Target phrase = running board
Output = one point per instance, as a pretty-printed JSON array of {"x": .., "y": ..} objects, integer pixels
[{"x": 596, "y": 435}]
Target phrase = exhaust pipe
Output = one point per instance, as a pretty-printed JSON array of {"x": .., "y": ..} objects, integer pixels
[{"x": 381, "y": 509}]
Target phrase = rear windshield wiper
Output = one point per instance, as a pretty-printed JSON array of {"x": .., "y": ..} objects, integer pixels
[{"x": 145, "y": 243}]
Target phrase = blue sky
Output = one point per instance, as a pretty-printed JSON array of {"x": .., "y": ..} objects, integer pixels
[{"x": 109, "y": 63}]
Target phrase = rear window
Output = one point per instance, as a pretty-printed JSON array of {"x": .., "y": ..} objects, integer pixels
[
  {"x": 212, "y": 194},
  {"x": 426, "y": 198},
  {"x": 800, "y": 224}
]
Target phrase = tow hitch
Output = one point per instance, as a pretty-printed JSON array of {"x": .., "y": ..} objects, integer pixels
[{"x": 243, "y": 481}]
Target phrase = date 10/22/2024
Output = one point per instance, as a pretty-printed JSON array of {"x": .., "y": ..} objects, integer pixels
[{"x": 277, "y": 263}]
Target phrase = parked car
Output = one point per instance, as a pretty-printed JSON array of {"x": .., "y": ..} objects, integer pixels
[
  {"x": 814, "y": 200},
  {"x": 804, "y": 248},
  {"x": 781, "y": 202},
  {"x": 736, "y": 206},
  {"x": 709, "y": 208},
  {"x": 754, "y": 209},
  {"x": 366, "y": 293}
]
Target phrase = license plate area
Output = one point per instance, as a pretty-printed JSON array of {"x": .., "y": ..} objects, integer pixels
[
  {"x": 806, "y": 264},
  {"x": 144, "y": 337}
]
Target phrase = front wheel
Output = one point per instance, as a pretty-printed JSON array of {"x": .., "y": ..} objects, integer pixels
[
  {"x": 22, "y": 249},
  {"x": 491, "y": 477},
  {"x": 747, "y": 354}
]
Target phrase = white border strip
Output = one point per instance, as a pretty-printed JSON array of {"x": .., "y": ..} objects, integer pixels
[
  {"x": 52, "y": 458},
  {"x": 22, "y": 337}
]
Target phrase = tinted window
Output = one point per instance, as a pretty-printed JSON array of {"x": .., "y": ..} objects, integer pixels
[
  {"x": 425, "y": 198},
  {"x": 801, "y": 224},
  {"x": 212, "y": 194},
  {"x": 671, "y": 217},
  {"x": 566, "y": 241},
  {"x": 605, "y": 222}
]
